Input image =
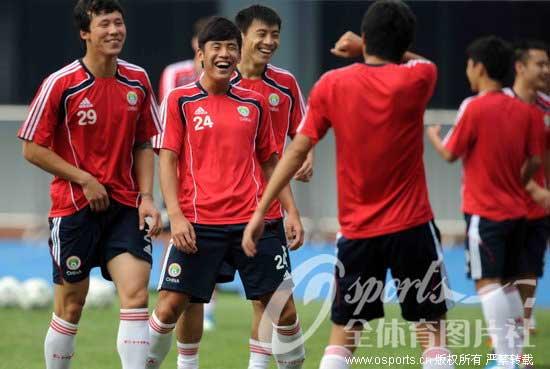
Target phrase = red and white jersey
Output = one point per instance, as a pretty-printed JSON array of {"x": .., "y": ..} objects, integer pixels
[
  {"x": 376, "y": 112},
  {"x": 220, "y": 139},
  {"x": 93, "y": 123},
  {"x": 177, "y": 75},
  {"x": 494, "y": 134},
  {"x": 286, "y": 107}
]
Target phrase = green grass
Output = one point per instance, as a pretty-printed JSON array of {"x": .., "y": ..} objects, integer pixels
[{"x": 22, "y": 336}]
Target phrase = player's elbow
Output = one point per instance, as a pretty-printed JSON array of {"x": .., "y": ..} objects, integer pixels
[{"x": 29, "y": 151}]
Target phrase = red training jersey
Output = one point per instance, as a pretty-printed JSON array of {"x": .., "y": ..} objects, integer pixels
[
  {"x": 494, "y": 135},
  {"x": 93, "y": 124},
  {"x": 176, "y": 75},
  {"x": 286, "y": 107},
  {"x": 220, "y": 139},
  {"x": 376, "y": 112}
]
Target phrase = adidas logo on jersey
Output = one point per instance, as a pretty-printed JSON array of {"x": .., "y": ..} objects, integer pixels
[
  {"x": 85, "y": 104},
  {"x": 287, "y": 275},
  {"x": 200, "y": 111}
]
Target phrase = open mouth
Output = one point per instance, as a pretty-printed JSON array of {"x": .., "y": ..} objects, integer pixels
[
  {"x": 222, "y": 65},
  {"x": 266, "y": 52}
]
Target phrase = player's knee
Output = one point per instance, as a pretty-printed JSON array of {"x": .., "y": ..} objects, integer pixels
[
  {"x": 133, "y": 299},
  {"x": 288, "y": 314},
  {"x": 169, "y": 307},
  {"x": 258, "y": 307},
  {"x": 72, "y": 310}
]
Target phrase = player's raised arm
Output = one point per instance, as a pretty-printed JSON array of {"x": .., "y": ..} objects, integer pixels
[{"x": 349, "y": 45}]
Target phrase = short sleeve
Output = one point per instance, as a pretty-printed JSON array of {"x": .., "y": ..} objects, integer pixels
[
  {"x": 43, "y": 116},
  {"x": 315, "y": 122},
  {"x": 424, "y": 73},
  {"x": 173, "y": 128},
  {"x": 462, "y": 135},
  {"x": 265, "y": 139},
  {"x": 149, "y": 121},
  {"x": 298, "y": 108}
]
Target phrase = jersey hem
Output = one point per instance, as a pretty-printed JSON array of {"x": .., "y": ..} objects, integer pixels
[{"x": 349, "y": 234}]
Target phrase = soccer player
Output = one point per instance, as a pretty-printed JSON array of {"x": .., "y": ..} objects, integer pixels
[
  {"x": 500, "y": 149},
  {"x": 183, "y": 72},
  {"x": 217, "y": 136},
  {"x": 90, "y": 126},
  {"x": 376, "y": 110},
  {"x": 260, "y": 27},
  {"x": 532, "y": 68}
]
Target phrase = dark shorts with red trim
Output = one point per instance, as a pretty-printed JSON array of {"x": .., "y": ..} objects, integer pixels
[{"x": 536, "y": 242}]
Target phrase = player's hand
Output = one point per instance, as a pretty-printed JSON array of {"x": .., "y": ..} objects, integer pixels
[
  {"x": 542, "y": 197},
  {"x": 147, "y": 209},
  {"x": 96, "y": 194},
  {"x": 434, "y": 132},
  {"x": 252, "y": 233},
  {"x": 183, "y": 234},
  {"x": 305, "y": 173},
  {"x": 294, "y": 231},
  {"x": 349, "y": 45}
]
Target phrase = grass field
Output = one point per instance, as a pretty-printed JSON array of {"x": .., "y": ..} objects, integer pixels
[{"x": 22, "y": 336}]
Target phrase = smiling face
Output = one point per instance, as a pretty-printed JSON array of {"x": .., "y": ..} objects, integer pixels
[
  {"x": 535, "y": 69},
  {"x": 260, "y": 41},
  {"x": 107, "y": 34},
  {"x": 220, "y": 58}
]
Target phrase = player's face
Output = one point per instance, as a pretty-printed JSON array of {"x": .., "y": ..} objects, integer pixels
[
  {"x": 473, "y": 72},
  {"x": 260, "y": 41},
  {"x": 220, "y": 58},
  {"x": 107, "y": 34},
  {"x": 536, "y": 69}
]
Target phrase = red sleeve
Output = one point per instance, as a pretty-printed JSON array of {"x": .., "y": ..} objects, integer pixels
[
  {"x": 173, "y": 132},
  {"x": 462, "y": 134},
  {"x": 149, "y": 121},
  {"x": 425, "y": 73},
  {"x": 315, "y": 123},
  {"x": 39, "y": 127},
  {"x": 265, "y": 139},
  {"x": 536, "y": 137},
  {"x": 298, "y": 108}
]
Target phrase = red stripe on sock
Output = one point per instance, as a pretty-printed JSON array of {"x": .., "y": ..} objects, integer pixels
[
  {"x": 338, "y": 351},
  {"x": 289, "y": 332},
  {"x": 142, "y": 316},
  {"x": 158, "y": 328},
  {"x": 61, "y": 329},
  {"x": 260, "y": 350},
  {"x": 188, "y": 352}
]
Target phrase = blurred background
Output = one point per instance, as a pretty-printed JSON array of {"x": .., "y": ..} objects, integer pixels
[{"x": 37, "y": 37}]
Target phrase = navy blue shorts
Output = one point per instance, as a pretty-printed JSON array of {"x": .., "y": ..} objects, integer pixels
[
  {"x": 227, "y": 272},
  {"x": 196, "y": 274},
  {"x": 494, "y": 248},
  {"x": 534, "y": 252},
  {"x": 412, "y": 255},
  {"x": 86, "y": 239}
]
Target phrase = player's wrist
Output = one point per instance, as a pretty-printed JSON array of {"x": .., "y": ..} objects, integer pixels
[
  {"x": 146, "y": 196},
  {"x": 84, "y": 178}
]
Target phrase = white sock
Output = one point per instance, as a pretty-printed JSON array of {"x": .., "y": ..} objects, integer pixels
[
  {"x": 516, "y": 309},
  {"x": 288, "y": 346},
  {"x": 188, "y": 355},
  {"x": 260, "y": 354},
  {"x": 436, "y": 358},
  {"x": 496, "y": 310},
  {"x": 59, "y": 343},
  {"x": 133, "y": 338},
  {"x": 160, "y": 340},
  {"x": 336, "y": 357}
]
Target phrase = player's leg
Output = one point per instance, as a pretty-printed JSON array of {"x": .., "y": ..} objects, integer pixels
[
  {"x": 362, "y": 280},
  {"x": 416, "y": 262},
  {"x": 189, "y": 330},
  {"x": 73, "y": 246},
  {"x": 127, "y": 261}
]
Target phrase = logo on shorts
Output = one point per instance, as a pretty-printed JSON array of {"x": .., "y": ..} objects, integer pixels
[
  {"x": 174, "y": 270},
  {"x": 244, "y": 111},
  {"x": 73, "y": 262},
  {"x": 132, "y": 98},
  {"x": 274, "y": 99}
]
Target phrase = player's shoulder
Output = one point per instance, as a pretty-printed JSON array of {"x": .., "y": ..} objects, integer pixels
[
  {"x": 280, "y": 75},
  {"x": 245, "y": 93},
  {"x": 132, "y": 70},
  {"x": 189, "y": 90},
  {"x": 69, "y": 75},
  {"x": 543, "y": 101}
]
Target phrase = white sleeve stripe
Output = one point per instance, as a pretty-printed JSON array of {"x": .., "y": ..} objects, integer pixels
[
  {"x": 37, "y": 108},
  {"x": 459, "y": 115}
]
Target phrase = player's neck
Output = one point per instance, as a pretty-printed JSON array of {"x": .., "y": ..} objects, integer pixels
[
  {"x": 213, "y": 87},
  {"x": 524, "y": 92},
  {"x": 488, "y": 85},
  {"x": 375, "y": 60},
  {"x": 250, "y": 70},
  {"x": 100, "y": 66},
  {"x": 197, "y": 65}
]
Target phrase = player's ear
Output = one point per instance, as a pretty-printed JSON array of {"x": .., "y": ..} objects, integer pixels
[
  {"x": 85, "y": 35},
  {"x": 200, "y": 55}
]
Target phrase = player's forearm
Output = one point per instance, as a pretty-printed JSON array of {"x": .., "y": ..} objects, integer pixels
[
  {"x": 439, "y": 147},
  {"x": 412, "y": 56},
  {"x": 529, "y": 169},
  {"x": 52, "y": 163},
  {"x": 144, "y": 167},
  {"x": 168, "y": 174}
]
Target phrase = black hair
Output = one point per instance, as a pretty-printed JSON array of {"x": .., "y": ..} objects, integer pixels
[
  {"x": 84, "y": 9},
  {"x": 521, "y": 49},
  {"x": 495, "y": 54},
  {"x": 199, "y": 25},
  {"x": 389, "y": 28},
  {"x": 219, "y": 29},
  {"x": 245, "y": 17}
]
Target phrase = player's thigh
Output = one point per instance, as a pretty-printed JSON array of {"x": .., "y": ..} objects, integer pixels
[
  {"x": 131, "y": 278},
  {"x": 360, "y": 286},
  {"x": 122, "y": 235},
  {"x": 195, "y": 274},
  {"x": 532, "y": 256},
  {"x": 74, "y": 245},
  {"x": 416, "y": 263}
]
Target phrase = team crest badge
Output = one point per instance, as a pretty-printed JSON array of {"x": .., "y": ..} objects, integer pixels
[
  {"x": 73, "y": 262},
  {"x": 174, "y": 270},
  {"x": 244, "y": 111},
  {"x": 274, "y": 99},
  {"x": 132, "y": 98}
]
